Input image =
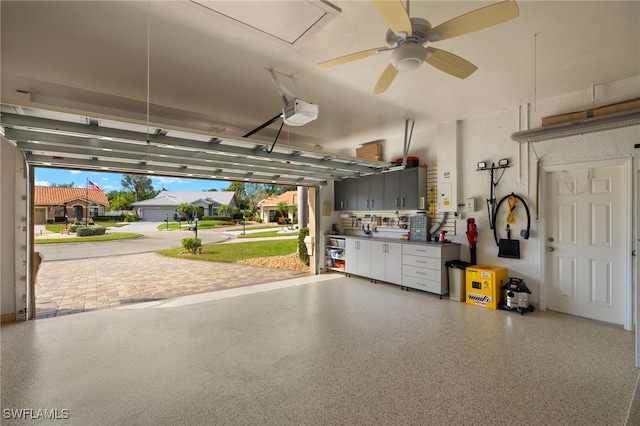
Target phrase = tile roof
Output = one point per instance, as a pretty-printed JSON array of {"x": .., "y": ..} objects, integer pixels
[
  {"x": 49, "y": 195},
  {"x": 289, "y": 197}
]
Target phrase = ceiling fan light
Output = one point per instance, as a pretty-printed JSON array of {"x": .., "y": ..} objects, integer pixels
[{"x": 408, "y": 56}]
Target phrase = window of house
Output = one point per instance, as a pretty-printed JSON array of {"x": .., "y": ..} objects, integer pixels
[{"x": 94, "y": 211}]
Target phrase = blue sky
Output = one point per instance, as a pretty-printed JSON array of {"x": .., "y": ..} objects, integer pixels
[{"x": 111, "y": 181}]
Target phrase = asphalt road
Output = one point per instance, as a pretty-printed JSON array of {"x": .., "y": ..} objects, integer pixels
[{"x": 151, "y": 241}]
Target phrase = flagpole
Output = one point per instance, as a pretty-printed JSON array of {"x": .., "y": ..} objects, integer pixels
[{"x": 86, "y": 218}]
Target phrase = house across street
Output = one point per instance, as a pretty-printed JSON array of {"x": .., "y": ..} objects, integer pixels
[{"x": 164, "y": 205}]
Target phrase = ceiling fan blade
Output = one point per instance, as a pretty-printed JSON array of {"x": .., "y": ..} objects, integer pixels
[
  {"x": 474, "y": 21},
  {"x": 348, "y": 58},
  {"x": 450, "y": 63},
  {"x": 394, "y": 14},
  {"x": 385, "y": 80}
]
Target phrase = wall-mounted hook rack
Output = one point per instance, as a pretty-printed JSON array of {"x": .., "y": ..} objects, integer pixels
[{"x": 492, "y": 201}]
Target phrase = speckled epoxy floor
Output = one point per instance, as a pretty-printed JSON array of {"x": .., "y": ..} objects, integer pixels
[{"x": 319, "y": 350}]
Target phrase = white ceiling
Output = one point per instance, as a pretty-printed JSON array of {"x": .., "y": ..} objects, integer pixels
[{"x": 209, "y": 75}]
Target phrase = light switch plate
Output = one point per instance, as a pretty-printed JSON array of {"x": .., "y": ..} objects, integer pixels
[{"x": 470, "y": 204}]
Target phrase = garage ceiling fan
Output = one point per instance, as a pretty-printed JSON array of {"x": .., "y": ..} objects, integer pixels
[{"x": 408, "y": 38}]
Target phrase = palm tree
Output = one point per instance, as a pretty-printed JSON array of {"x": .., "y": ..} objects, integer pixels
[
  {"x": 186, "y": 209},
  {"x": 223, "y": 210},
  {"x": 282, "y": 208}
]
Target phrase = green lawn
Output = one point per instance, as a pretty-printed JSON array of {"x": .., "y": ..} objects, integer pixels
[
  {"x": 228, "y": 253},
  {"x": 88, "y": 239},
  {"x": 56, "y": 227}
]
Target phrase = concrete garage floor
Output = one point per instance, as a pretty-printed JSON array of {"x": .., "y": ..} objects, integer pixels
[
  {"x": 85, "y": 277},
  {"x": 318, "y": 350}
]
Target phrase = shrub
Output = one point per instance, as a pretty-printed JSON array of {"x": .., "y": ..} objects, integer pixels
[
  {"x": 131, "y": 218},
  {"x": 105, "y": 218},
  {"x": 192, "y": 245},
  {"x": 87, "y": 231},
  {"x": 257, "y": 219},
  {"x": 302, "y": 248},
  {"x": 284, "y": 220}
]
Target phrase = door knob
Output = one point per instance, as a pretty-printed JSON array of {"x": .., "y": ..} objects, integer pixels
[{"x": 550, "y": 249}]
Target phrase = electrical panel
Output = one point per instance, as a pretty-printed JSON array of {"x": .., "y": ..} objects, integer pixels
[{"x": 447, "y": 190}]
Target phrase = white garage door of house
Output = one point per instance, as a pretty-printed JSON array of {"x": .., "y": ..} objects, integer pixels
[{"x": 156, "y": 215}]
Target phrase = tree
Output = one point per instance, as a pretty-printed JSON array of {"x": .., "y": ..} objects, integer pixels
[
  {"x": 63, "y": 185},
  {"x": 282, "y": 208},
  {"x": 294, "y": 212},
  {"x": 223, "y": 210},
  {"x": 239, "y": 189},
  {"x": 187, "y": 210},
  {"x": 120, "y": 200},
  {"x": 140, "y": 185}
]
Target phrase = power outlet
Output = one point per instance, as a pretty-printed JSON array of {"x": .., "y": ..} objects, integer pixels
[{"x": 470, "y": 204}]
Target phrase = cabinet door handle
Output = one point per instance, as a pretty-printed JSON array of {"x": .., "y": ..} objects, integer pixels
[
  {"x": 402, "y": 201},
  {"x": 397, "y": 203},
  {"x": 367, "y": 203},
  {"x": 371, "y": 203}
]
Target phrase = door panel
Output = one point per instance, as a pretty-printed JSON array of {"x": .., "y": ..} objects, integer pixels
[{"x": 586, "y": 272}]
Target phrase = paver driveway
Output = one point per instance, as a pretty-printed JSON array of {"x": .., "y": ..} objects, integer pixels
[{"x": 76, "y": 284}]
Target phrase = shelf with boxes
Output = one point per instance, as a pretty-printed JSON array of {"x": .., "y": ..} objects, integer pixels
[{"x": 335, "y": 253}]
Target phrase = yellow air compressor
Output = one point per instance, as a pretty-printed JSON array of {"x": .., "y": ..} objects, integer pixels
[{"x": 484, "y": 285}]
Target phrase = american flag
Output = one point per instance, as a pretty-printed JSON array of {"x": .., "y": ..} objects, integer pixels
[{"x": 91, "y": 185}]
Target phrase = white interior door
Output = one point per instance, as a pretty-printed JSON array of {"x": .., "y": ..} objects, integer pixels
[{"x": 586, "y": 243}]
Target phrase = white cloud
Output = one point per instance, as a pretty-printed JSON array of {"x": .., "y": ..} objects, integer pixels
[
  {"x": 75, "y": 172},
  {"x": 42, "y": 183}
]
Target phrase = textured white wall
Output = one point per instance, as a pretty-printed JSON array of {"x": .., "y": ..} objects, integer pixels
[
  {"x": 488, "y": 138},
  {"x": 12, "y": 230}
]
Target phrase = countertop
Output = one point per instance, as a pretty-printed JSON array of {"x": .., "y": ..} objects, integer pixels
[{"x": 394, "y": 240}]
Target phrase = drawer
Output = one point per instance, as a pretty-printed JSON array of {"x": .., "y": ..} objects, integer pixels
[
  {"x": 420, "y": 250},
  {"x": 420, "y": 261},
  {"x": 421, "y": 273},
  {"x": 422, "y": 284}
]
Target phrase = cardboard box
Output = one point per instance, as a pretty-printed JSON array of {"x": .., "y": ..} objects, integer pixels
[
  {"x": 563, "y": 118},
  {"x": 615, "y": 108},
  {"x": 370, "y": 151},
  {"x": 596, "y": 112}
]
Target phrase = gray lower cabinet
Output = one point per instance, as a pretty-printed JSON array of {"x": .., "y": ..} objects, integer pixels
[
  {"x": 386, "y": 262},
  {"x": 423, "y": 266},
  {"x": 358, "y": 257}
]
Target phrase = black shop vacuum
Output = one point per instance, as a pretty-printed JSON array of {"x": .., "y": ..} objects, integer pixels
[{"x": 516, "y": 296}]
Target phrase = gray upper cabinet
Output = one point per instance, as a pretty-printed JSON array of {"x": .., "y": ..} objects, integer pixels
[
  {"x": 406, "y": 189},
  {"x": 401, "y": 190},
  {"x": 371, "y": 192},
  {"x": 345, "y": 194},
  {"x": 413, "y": 188},
  {"x": 391, "y": 191}
]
